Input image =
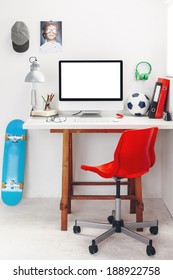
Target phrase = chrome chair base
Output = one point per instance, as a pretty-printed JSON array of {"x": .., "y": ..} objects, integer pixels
[{"x": 119, "y": 227}]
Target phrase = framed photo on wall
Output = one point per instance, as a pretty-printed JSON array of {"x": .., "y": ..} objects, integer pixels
[{"x": 50, "y": 36}]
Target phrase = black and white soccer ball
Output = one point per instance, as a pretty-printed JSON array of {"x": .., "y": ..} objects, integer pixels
[{"x": 138, "y": 104}]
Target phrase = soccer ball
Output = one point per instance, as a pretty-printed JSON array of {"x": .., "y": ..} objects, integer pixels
[{"x": 138, "y": 104}]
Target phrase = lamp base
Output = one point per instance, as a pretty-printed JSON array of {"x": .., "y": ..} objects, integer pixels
[{"x": 43, "y": 113}]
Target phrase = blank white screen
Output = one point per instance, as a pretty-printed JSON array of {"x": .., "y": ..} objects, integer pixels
[{"x": 91, "y": 80}]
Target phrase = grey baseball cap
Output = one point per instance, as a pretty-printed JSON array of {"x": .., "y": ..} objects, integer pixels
[{"x": 20, "y": 37}]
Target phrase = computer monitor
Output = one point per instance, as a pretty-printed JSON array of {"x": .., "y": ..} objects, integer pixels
[{"x": 90, "y": 85}]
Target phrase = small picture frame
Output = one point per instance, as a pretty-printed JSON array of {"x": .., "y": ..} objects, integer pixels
[{"x": 50, "y": 36}]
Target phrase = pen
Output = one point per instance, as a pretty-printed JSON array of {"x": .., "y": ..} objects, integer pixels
[{"x": 43, "y": 98}]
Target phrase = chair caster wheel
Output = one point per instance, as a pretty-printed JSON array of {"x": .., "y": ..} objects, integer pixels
[
  {"x": 150, "y": 251},
  {"x": 76, "y": 229},
  {"x": 110, "y": 219},
  {"x": 154, "y": 230},
  {"x": 93, "y": 249}
]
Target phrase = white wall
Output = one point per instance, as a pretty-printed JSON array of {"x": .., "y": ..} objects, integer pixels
[{"x": 101, "y": 29}]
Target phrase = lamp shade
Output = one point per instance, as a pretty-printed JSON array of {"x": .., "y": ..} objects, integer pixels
[{"x": 35, "y": 75}]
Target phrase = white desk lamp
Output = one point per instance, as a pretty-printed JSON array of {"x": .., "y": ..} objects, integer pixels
[{"x": 34, "y": 76}]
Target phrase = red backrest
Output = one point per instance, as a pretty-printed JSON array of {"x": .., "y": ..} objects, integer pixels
[{"x": 135, "y": 154}]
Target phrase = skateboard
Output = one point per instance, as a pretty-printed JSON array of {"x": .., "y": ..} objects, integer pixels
[{"x": 13, "y": 163}]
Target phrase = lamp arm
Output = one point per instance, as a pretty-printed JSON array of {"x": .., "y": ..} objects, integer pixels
[{"x": 33, "y": 97}]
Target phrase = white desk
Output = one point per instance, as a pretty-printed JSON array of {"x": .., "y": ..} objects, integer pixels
[
  {"x": 127, "y": 122},
  {"x": 71, "y": 126}
]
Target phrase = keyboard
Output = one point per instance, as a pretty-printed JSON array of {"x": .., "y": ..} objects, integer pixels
[{"x": 95, "y": 120}]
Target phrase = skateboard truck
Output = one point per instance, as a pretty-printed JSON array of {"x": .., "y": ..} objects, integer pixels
[
  {"x": 15, "y": 138},
  {"x": 12, "y": 185}
]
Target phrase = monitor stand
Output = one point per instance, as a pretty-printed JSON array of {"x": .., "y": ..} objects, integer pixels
[{"x": 90, "y": 114}]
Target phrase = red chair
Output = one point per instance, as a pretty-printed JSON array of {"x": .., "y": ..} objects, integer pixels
[{"x": 133, "y": 157}]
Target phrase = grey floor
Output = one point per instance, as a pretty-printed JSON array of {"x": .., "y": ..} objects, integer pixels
[{"x": 31, "y": 231}]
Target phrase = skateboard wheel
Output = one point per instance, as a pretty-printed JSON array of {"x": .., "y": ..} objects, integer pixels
[
  {"x": 6, "y": 136},
  {"x": 3, "y": 185},
  {"x": 23, "y": 137},
  {"x": 21, "y": 186}
]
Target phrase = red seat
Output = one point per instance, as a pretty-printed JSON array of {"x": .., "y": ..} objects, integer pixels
[
  {"x": 133, "y": 157},
  {"x": 135, "y": 147}
]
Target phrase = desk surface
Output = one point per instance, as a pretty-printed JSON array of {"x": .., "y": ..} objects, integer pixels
[{"x": 127, "y": 122}]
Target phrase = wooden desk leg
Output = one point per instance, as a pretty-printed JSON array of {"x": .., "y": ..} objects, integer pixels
[
  {"x": 131, "y": 191},
  {"x": 65, "y": 181},
  {"x": 139, "y": 202},
  {"x": 70, "y": 192}
]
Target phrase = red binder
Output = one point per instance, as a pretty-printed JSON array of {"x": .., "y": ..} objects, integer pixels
[{"x": 162, "y": 97}]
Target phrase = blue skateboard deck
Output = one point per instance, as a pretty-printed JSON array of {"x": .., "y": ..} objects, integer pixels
[{"x": 13, "y": 163}]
